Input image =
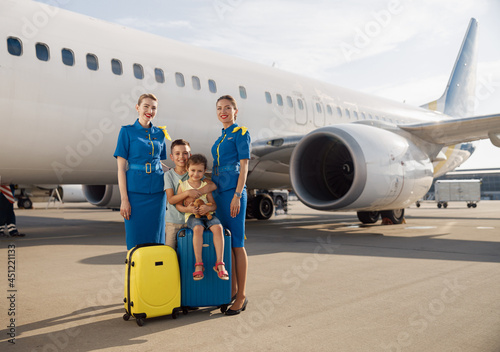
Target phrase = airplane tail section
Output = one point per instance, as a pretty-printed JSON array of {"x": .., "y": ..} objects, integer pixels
[{"x": 457, "y": 99}]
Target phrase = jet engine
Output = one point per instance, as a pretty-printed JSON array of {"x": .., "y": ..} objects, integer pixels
[
  {"x": 102, "y": 195},
  {"x": 359, "y": 167}
]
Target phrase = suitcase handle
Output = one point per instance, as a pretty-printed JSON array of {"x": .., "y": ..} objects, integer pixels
[{"x": 148, "y": 245}]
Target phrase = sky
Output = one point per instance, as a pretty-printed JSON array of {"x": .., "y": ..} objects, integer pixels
[{"x": 403, "y": 50}]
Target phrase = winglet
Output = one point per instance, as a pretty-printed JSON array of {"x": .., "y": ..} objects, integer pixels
[{"x": 456, "y": 99}]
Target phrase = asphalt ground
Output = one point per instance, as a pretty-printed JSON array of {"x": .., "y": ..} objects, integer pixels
[{"x": 317, "y": 282}]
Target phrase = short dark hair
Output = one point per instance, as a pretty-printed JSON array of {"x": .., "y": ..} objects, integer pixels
[
  {"x": 196, "y": 159},
  {"x": 178, "y": 142}
]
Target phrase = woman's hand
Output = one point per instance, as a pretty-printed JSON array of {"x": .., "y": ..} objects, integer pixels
[
  {"x": 125, "y": 209},
  {"x": 235, "y": 206}
]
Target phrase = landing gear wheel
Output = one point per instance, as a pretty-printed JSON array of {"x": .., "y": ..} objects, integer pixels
[
  {"x": 25, "y": 203},
  {"x": 279, "y": 203},
  {"x": 439, "y": 205},
  {"x": 368, "y": 217},
  {"x": 261, "y": 207},
  {"x": 126, "y": 316},
  {"x": 474, "y": 205},
  {"x": 445, "y": 205},
  {"x": 140, "y": 321},
  {"x": 395, "y": 216}
]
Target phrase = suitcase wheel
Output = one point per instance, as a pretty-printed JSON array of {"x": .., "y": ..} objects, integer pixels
[
  {"x": 140, "y": 321},
  {"x": 126, "y": 316}
]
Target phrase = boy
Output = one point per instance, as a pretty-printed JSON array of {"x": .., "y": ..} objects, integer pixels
[
  {"x": 180, "y": 152},
  {"x": 197, "y": 165}
]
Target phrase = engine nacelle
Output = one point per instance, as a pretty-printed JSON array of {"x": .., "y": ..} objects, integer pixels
[
  {"x": 102, "y": 195},
  {"x": 359, "y": 167}
]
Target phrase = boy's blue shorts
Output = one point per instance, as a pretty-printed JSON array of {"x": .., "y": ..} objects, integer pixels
[{"x": 203, "y": 221}]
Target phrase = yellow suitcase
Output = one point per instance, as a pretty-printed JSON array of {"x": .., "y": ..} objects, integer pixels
[{"x": 152, "y": 282}]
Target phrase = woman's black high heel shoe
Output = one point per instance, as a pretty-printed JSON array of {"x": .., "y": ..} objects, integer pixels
[{"x": 235, "y": 312}]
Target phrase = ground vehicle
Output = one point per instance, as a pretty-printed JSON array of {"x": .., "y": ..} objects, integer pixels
[{"x": 468, "y": 191}]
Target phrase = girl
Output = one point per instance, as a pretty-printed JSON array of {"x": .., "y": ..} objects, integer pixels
[{"x": 197, "y": 165}]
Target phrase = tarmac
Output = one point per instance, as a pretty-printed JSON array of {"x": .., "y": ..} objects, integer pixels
[{"x": 317, "y": 282}]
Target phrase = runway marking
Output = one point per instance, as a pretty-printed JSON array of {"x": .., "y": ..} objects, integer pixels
[{"x": 485, "y": 228}]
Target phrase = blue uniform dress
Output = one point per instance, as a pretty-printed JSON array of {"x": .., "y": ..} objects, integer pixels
[
  {"x": 231, "y": 147},
  {"x": 143, "y": 148}
]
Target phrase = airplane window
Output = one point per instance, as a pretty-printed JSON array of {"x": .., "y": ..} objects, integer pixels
[
  {"x": 339, "y": 111},
  {"x": 301, "y": 104},
  {"x": 356, "y": 115},
  {"x": 347, "y": 113},
  {"x": 196, "y": 83},
  {"x": 179, "y": 79},
  {"x": 289, "y": 101},
  {"x": 14, "y": 46},
  {"x": 92, "y": 62},
  {"x": 279, "y": 99},
  {"x": 138, "y": 71},
  {"x": 268, "y": 98},
  {"x": 363, "y": 116},
  {"x": 42, "y": 51},
  {"x": 376, "y": 117},
  {"x": 318, "y": 108},
  {"x": 212, "y": 86},
  {"x": 243, "y": 92},
  {"x": 159, "y": 75},
  {"x": 116, "y": 67},
  {"x": 68, "y": 58},
  {"x": 370, "y": 116},
  {"x": 329, "y": 110}
]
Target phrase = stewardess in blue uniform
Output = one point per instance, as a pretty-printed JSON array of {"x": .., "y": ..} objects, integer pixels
[
  {"x": 138, "y": 152},
  {"x": 231, "y": 153}
]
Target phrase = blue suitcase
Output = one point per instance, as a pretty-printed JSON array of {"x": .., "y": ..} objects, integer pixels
[{"x": 210, "y": 291}]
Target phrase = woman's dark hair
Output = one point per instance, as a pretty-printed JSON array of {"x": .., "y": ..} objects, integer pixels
[{"x": 230, "y": 98}]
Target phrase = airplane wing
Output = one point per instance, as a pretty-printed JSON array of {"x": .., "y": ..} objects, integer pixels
[{"x": 458, "y": 130}]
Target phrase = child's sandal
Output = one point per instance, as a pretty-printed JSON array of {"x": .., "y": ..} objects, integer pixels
[
  {"x": 222, "y": 274},
  {"x": 198, "y": 275}
]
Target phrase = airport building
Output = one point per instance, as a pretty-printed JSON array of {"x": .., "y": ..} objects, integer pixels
[{"x": 490, "y": 186}]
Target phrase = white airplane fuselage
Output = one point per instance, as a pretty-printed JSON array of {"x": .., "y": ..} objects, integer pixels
[{"x": 59, "y": 123}]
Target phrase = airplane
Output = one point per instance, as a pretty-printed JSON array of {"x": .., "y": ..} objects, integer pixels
[{"x": 68, "y": 82}]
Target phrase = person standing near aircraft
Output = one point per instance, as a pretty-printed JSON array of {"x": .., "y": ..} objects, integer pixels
[
  {"x": 7, "y": 216},
  {"x": 231, "y": 153},
  {"x": 141, "y": 146}
]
